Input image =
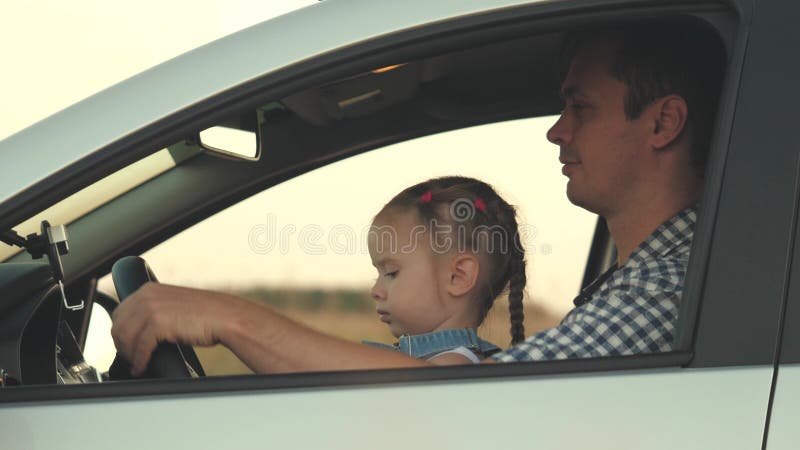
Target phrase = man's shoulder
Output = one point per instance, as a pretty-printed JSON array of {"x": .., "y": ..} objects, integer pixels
[
  {"x": 652, "y": 274},
  {"x": 640, "y": 283},
  {"x": 643, "y": 282},
  {"x": 659, "y": 264},
  {"x": 671, "y": 241}
]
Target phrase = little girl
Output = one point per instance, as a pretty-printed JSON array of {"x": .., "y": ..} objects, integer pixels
[{"x": 444, "y": 250}]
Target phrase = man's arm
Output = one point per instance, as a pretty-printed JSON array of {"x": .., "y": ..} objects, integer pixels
[{"x": 264, "y": 340}]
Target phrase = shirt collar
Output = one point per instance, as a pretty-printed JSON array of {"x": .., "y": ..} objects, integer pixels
[{"x": 670, "y": 237}]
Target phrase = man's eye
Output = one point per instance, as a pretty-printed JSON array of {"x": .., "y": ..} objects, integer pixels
[{"x": 391, "y": 274}]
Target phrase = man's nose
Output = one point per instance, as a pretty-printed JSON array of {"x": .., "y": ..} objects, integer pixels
[{"x": 559, "y": 134}]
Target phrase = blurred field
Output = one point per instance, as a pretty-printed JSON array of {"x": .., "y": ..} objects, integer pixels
[{"x": 350, "y": 314}]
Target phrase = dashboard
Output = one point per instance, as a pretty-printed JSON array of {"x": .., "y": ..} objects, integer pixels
[{"x": 36, "y": 345}]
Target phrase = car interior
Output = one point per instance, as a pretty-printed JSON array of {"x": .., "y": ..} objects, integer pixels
[{"x": 310, "y": 120}]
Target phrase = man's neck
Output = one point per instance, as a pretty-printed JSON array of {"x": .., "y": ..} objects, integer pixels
[
  {"x": 651, "y": 206},
  {"x": 629, "y": 229},
  {"x": 629, "y": 234}
]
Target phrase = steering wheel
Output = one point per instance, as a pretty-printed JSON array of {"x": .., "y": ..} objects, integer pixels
[{"x": 168, "y": 360}]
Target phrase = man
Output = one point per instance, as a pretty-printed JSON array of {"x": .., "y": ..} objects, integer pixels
[
  {"x": 639, "y": 102},
  {"x": 633, "y": 138}
]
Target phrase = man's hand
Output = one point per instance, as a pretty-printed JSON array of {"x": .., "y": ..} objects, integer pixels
[
  {"x": 263, "y": 339},
  {"x": 161, "y": 313}
]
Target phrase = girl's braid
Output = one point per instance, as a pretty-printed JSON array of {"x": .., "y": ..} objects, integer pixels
[
  {"x": 514, "y": 273},
  {"x": 508, "y": 260},
  {"x": 516, "y": 285}
]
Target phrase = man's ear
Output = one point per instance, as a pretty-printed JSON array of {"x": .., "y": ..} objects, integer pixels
[
  {"x": 670, "y": 114},
  {"x": 464, "y": 271}
]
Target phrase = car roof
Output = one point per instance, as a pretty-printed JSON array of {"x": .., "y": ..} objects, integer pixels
[{"x": 85, "y": 128}]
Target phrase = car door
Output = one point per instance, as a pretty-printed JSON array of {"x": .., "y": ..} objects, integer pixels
[
  {"x": 782, "y": 431},
  {"x": 718, "y": 380}
]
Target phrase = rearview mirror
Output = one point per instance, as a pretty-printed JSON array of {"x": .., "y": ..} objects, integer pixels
[{"x": 230, "y": 142}]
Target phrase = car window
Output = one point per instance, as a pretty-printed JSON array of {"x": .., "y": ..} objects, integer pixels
[
  {"x": 301, "y": 245},
  {"x": 99, "y": 351},
  {"x": 101, "y": 192}
]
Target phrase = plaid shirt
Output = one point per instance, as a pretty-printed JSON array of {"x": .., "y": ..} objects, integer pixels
[{"x": 633, "y": 311}]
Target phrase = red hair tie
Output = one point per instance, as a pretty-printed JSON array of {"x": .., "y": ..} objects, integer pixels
[
  {"x": 479, "y": 204},
  {"x": 426, "y": 197}
]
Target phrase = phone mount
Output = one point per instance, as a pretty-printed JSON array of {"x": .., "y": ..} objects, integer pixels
[{"x": 52, "y": 242}]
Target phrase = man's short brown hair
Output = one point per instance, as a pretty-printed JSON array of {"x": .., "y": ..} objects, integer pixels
[{"x": 680, "y": 56}]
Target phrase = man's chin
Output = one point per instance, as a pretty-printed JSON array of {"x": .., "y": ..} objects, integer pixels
[
  {"x": 579, "y": 200},
  {"x": 573, "y": 196}
]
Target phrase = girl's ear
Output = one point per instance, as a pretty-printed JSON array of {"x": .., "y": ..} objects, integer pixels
[{"x": 464, "y": 271}]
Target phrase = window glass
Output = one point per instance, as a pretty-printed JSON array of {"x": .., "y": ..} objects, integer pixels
[
  {"x": 101, "y": 192},
  {"x": 301, "y": 245},
  {"x": 99, "y": 350}
]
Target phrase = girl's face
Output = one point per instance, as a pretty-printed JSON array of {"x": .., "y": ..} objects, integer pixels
[{"x": 410, "y": 290}]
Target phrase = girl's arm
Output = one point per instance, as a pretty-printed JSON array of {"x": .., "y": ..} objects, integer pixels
[
  {"x": 457, "y": 357},
  {"x": 450, "y": 359}
]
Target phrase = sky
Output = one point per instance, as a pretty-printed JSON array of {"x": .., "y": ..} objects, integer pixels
[{"x": 57, "y": 53}]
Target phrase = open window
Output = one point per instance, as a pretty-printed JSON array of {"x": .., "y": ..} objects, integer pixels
[
  {"x": 414, "y": 105},
  {"x": 301, "y": 246}
]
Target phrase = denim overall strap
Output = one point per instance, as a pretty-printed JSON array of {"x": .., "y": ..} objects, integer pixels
[{"x": 429, "y": 344}]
